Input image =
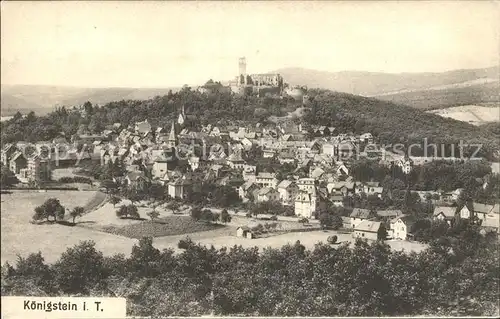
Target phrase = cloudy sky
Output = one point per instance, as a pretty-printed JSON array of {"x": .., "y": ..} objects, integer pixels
[{"x": 154, "y": 44}]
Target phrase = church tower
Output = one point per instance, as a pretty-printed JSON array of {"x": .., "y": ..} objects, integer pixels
[
  {"x": 182, "y": 116},
  {"x": 172, "y": 139}
]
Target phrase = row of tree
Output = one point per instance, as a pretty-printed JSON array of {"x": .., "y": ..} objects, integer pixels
[{"x": 457, "y": 275}]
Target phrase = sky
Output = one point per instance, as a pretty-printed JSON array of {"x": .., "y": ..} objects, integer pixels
[{"x": 163, "y": 44}]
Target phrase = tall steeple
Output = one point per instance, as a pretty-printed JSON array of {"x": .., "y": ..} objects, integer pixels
[
  {"x": 182, "y": 116},
  {"x": 172, "y": 139}
]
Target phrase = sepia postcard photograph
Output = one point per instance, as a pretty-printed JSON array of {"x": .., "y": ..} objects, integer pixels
[{"x": 250, "y": 159}]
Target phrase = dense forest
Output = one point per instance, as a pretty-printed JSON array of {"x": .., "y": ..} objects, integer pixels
[
  {"x": 393, "y": 123},
  {"x": 389, "y": 122},
  {"x": 457, "y": 275}
]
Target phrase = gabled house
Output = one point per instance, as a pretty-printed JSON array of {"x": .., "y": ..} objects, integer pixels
[
  {"x": 179, "y": 188},
  {"x": 344, "y": 187},
  {"x": 466, "y": 212},
  {"x": 444, "y": 213},
  {"x": 305, "y": 204},
  {"x": 401, "y": 226},
  {"x": 481, "y": 210},
  {"x": 235, "y": 161},
  {"x": 7, "y": 151},
  {"x": 267, "y": 194},
  {"x": 265, "y": 179},
  {"x": 337, "y": 200},
  {"x": 358, "y": 215},
  {"x": 367, "y": 229},
  {"x": 138, "y": 180},
  {"x": 245, "y": 190},
  {"x": 287, "y": 191},
  {"x": 17, "y": 162},
  {"x": 389, "y": 214}
]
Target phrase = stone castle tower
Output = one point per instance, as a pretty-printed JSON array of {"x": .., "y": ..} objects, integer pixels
[{"x": 242, "y": 71}]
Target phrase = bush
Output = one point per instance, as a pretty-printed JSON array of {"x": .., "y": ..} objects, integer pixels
[
  {"x": 332, "y": 239},
  {"x": 303, "y": 220}
]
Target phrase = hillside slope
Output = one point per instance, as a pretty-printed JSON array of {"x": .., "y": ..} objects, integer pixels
[
  {"x": 43, "y": 99},
  {"x": 421, "y": 90}
]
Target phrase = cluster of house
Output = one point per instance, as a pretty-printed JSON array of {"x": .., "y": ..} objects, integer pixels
[
  {"x": 155, "y": 155},
  {"x": 487, "y": 215},
  {"x": 366, "y": 223}
]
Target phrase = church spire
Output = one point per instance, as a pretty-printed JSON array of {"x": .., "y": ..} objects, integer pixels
[{"x": 172, "y": 139}]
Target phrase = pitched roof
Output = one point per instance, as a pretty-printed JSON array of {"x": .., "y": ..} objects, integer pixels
[
  {"x": 266, "y": 175},
  {"x": 482, "y": 208},
  {"x": 448, "y": 212},
  {"x": 284, "y": 183},
  {"x": 368, "y": 226},
  {"x": 266, "y": 190},
  {"x": 389, "y": 213},
  {"x": 360, "y": 213}
]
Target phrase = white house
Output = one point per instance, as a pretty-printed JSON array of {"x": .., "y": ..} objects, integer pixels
[
  {"x": 305, "y": 204},
  {"x": 401, "y": 226}
]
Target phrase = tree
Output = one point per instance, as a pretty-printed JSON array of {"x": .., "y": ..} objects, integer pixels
[
  {"x": 115, "y": 200},
  {"x": 122, "y": 212},
  {"x": 109, "y": 185},
  {"x": 7, "y": 178},
  {"x": 174, "y": 206},
  {"x": 208, "y": 216},
  {"x": 336, "y": 222},
  {"x": 196, "y": 212},
  {"x": 153, "y": 214},
  {"x": 51, "y": 208},
  {"x": 325, "y": 220},
  {"x": 225, "y": 217},
  {"x": 77, "y": 212},
  {"x": 132, "y": 211},
  {"x": 382, "y": 232},
  {"x": 80, "y": 268},
  {"x": 40, "y": 213}
]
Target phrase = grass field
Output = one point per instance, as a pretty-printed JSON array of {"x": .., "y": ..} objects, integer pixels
[
  {"x": 473, "y": 114},
  {"x": 19, "y": 236}
]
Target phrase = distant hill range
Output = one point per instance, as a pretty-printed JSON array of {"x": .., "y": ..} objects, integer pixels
[
  {"x": 421, "y": 90},
  {"x": 43, "y": 99}
]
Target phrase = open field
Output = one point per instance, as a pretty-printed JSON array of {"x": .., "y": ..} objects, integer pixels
[
  {"x": 308, "y": 239},
  {"x": 19, "y": 236},
  {"x": 473, "y": 114}
]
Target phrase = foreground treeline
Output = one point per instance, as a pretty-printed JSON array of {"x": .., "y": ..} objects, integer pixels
[{"x": 455, "y": 276}]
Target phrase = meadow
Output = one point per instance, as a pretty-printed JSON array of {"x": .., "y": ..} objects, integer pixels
[{"x": 114, "y": 235}]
